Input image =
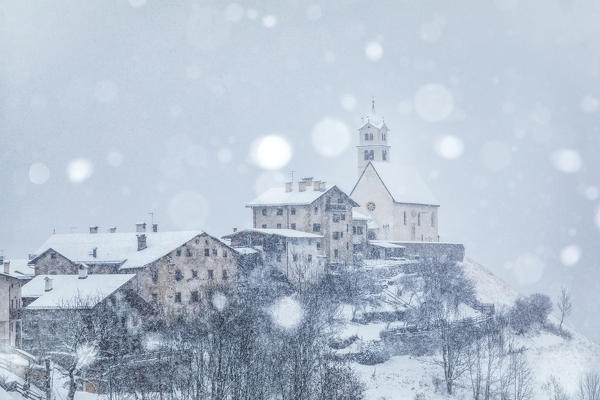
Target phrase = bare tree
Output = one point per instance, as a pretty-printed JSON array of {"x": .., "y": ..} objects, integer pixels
[
  {"x": 517, "y": 379},
  {"x": 554, "y": 389},
  {"x": 589, "y": 386},
  {"x": 564, "y": 305}
]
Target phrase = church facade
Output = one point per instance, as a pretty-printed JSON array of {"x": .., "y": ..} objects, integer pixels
[{"x": 393, "y": 195}]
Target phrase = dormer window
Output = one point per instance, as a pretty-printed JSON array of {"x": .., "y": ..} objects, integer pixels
[{"x": 366, "y": 136}]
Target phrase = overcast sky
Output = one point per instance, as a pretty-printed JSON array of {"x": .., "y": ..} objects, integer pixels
[{"x": 110, "y": 110}]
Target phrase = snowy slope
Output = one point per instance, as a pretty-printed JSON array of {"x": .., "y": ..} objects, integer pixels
[{"x": 403, "y": 377}]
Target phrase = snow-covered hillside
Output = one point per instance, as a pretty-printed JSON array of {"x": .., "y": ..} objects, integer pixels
[{"x": 403, "y": 377}]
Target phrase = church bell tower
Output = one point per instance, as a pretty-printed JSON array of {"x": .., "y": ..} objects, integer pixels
[{"x": 372, "y": 140}]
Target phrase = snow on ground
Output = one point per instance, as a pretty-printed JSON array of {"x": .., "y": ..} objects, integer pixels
[
  {"x": 399, "y": 378},
  {"x": 402, "y": 377}
]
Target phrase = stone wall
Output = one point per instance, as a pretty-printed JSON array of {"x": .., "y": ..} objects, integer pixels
[{"x": 434, "y": 250}]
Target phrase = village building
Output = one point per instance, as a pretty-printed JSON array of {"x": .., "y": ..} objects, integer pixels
[
  {"x": 173, "y": 269},
  {"x": 394, "y": 195},
  {"x": 310, "y": 206},
  {"x": 11, "y": 304},
  {"x": 298, "y": 255}
]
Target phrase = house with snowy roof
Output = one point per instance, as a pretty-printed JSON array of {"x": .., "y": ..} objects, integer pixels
[
  {"x": 53, "y": 303},
  {"x": 172, "y": 269},
  {"x": 13, "y": 275},
  {"x": 309, "y": 206},
  {"x": 394, "y": 196},
  {"x": 296, "y": 254}
]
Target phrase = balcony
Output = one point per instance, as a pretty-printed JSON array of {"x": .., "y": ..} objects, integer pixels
[{"x": 335, "y": 207}]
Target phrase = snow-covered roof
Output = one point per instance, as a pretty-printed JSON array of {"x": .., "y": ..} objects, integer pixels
[
  {"x": 69, "y": 291},
  {"x": 359, "y": 216},
  {"x": 18, "y": 268},
  {"x": 245, "y": 250},
  {"x": 289, "y": 233},
  {"x": 404, "y": 183},
  {"x": 385, "y": 244},
  {"x": 116, "y": 247},
  {"x": 279, "y": 196}
]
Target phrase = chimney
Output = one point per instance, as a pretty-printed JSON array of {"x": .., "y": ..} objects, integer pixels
[
  {"x": 154, "y": 227},
  {"x": 83, "y": 271},
  {"x": 6, "y": 266},
  {"x": 323, "y": 186},
  {"x": 234, "y": 230},
  {"x": 301, "y": 186},
  {"x": 308, "y": 180},
  {"x": 94, "y": 229},
  {"x": 140, "y": 227},
  {"x": 47, "y": 284},
  {"x": 141, "y": 241},
  {"x": 112, "y": 229},
  {"x": 316, "y": 186},
  {"x": 288, "y": 186}
]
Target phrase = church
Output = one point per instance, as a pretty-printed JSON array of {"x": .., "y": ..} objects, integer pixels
[{"x": 393, "y": 195}]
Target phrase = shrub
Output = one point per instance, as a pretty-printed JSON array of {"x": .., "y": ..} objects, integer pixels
[{"x": 530, "y": 312}]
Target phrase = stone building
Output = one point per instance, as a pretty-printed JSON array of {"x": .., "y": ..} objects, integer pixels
[
  {"x": 360, "y": 228},
  {"x": 310, "y": 206},
  {"x": 10, "y": 304},
  {"x": 296, "y": 254},
  {"x": 173, "y": 269},
  {"x": 393, "y": 195}
]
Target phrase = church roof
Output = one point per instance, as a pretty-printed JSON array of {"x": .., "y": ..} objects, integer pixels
[{"x": 403, "y": 182}]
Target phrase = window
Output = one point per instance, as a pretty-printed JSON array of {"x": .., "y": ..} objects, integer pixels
[
  {"x": 354, "y": 230},
  {"x": 280, "y": 211},
  {"x": 340, "y": 200},
  {"x": 178, "y": 297},
  {"x": 154, "y": 297},
  {"x": 194, "y": 298},
  {"x": 359, "y": 230},
  {"x": 293, "y": 226},
  {"x": 194, "y": 273},
  {"x": 384, "y": 155},
  {"x": 188, "y": 253},
  {"x": 343, "y": 217},
  {"x": 206, "y": 252},
  {"x": 341, "y": 234},
  {"x": 432, "y": 220},
  {"x": 404, "y": 214},
  {"x": 372, "y": 155},
  {"x": 419, "y": 219},
  {"x": 53, "y": 255},
  {"x": 264, "y": 211},
  {"x": 178, "y": 252},
  {"x": 178, "y": 275},
  {"x": 316, "y": 210},
  {"x": 336, "y": 253},
  {"x": 347, "y": 228},
  {"x": 293, "y": 211},
  {"x": 316, "y": 227},
  {"x": 370, "y": 136},
  {"x": 264, "y": 226},
  {"x": 278, "y": 258},
  {"x": 224, "y": 253},
  {"x": 278, "y": 226},
  {"x": 366, "y": 136},
  {"x": 336, "y": 235},
  {"x": 366, "y": 154},
  {"x": 310, "y": 258},
  {"x": 225, "y": 276},
  {"x": 154, "y": 276},
  {"x": 211, "y": 274},
  {"x": 318, "y": 245},
  {"x": 295, "y": 257},
  {"x": 197, "y": 241},
  {"x": 383, "y": 136},
  {"x": 214, "y": 252},
  {"x": 336, "y": 217}
]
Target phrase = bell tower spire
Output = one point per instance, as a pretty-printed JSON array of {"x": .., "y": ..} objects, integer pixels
[{"x": 372, "y": 140}]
